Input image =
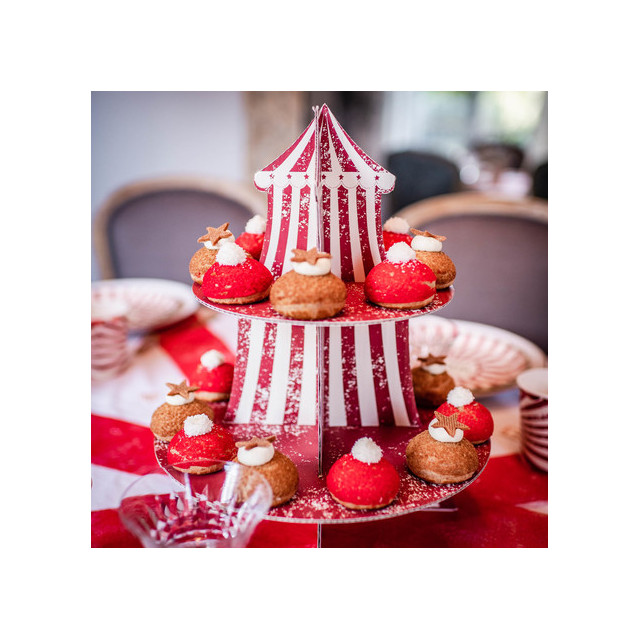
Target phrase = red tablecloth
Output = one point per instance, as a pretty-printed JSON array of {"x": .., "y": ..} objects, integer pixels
[{"x": 505, "y": 507}]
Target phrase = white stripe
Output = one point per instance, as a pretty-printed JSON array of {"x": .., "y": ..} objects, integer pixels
[
  {"x": 400, "y": 416},
  {"x": 334, "y": 227},
  {"x": 276, "y": 221},
  {"x": 294, "y": 230},
  {"x": 337, "y": 410},
  {"x": 279, "y": 388},
  {"x": 356, "y": 250},
  {"x": 370, "y": 200},
  {"x": 252, "y": 371},
  {"x": 308, "y": 392},
  {"x": 364, "y": 374}
]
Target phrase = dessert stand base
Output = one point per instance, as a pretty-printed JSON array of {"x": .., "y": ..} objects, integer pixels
[{"x": 312, "y": 502}]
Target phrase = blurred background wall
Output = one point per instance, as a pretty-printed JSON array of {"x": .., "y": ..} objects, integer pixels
[{"x": 480, "y": 140}]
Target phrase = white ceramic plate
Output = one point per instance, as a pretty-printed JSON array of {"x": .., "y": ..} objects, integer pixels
[
  {"x": 152, "y": 303},
  {"x": 482, "y": 358}
]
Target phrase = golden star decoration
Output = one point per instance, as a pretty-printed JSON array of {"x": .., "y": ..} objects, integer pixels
[
  {"x": 182, "y": 389},
  {"x": 216, "y": 233},
  {"x": 256, "y": 442},
  {"x": 312, "y": 256},
  {"x": 427, "y": 234},
  {"x": 431, "y": 359},
  {"x": 449, "y": 423}
]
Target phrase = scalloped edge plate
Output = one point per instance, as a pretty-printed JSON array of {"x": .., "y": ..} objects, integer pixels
[{"x": 153, "y": 302}]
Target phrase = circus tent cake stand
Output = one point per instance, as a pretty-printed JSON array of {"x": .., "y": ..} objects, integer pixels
[{"x": 320, "y": 385}]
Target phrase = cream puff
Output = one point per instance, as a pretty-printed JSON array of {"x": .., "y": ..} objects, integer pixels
[
  {"x": 200, "y": 446},
  {"x": 363, "y": 479},
  {"x": 213, "y": 376},
  {"x": 252, "y": 239},
  {"x": 475, "y": 416},
  {"x": 258, "y": 457},
  {"x": 442, "y": 454},
  {"x": 428, "y": 248},
  {"x": 180, "y": 403},
  {"x": 400, "y": 281},
  {"x": 431, "y": 382},
  {"x": 202, "y": 259},
  {"x": 309, "y": 291},
  {"x": 235, "y": 278},
  {"x": 395, "y": 230}
]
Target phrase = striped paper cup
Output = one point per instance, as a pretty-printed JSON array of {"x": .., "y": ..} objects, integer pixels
[
  {"x": 534, "y": 416},
  {"x": 109, "y": 329}
]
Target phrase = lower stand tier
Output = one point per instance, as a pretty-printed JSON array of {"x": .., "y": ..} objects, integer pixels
[{"x": 312, "y": 502}]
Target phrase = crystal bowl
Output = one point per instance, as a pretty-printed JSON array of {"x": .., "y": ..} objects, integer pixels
[{"x": 184, "y": 510}]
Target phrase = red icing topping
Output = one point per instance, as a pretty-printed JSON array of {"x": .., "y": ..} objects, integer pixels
[
  {"x": 389, "y": 238},
  {"x": 361, "y": 483},
  {"x": 223, "y": 281},
  {"x": 218, "y": 379},
  {"x": 185, "y": 451},
  {"x": 475, "y": 416},
  {"x": 251, "y": 242},
  {"x": 392, "y": 282}
]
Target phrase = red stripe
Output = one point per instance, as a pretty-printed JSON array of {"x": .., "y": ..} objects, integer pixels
[
  {"x": 349, "y": 377},
  {"x": 326, "y": 219},
  {"x": 346, "y": 262},
  {"x": 363, "y": 228},
  {"x": 303, "y": 223},
  {"x": 380, "y": 383},
  {"x": 323, "y": 148},
  {"x": 296, "y": 362},
  {"x": 240, "y": 369},
  {"x": 346, "y": 164},
  {"x": 324, "y": 371},
  {"x": 261, "y": 399},
  {"x": 122, "y": 445},
  {"x": 280, "y": 256},
  {"x": 404, "y": 367},
  {"x": 302, "y": 163}
]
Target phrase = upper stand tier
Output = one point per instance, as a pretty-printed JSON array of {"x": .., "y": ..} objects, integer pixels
[{"x": 356, "y": 311}]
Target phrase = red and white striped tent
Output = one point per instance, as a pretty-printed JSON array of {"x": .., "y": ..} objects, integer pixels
[{"x": 323, "y": 191}]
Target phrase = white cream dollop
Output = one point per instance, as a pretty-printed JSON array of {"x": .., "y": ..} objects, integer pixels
[
  {"x": 197, "y": 425},
  {"x": 211, "y": 359},
  {"x": 231, "y": 254},
  {"x": 435, "y": 369},
  {"x": 396, "y": 225},
  {"x": 424, "y": 243},
  {"x": 440, "y": 433},
  {"x": 256, "y": 456},
  {"x": 257, "y": 225},
  {"x": 320, "y": 268},
  {"x": 176, "y": 400},
  {"x": 400, "y": 252},
  {"x": 460, "y": 396},
  {"x": 366, "y": 450},
  {"x": 218, "y": 245}
]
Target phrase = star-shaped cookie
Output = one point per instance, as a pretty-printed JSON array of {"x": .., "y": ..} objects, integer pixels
[
  {"x": 182, "y": 389},
  {"x": 216, "y": 233},
  {"x": 312, "y": 256}
]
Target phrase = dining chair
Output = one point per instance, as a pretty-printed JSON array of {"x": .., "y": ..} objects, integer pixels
[
  {"x": 421, "y": 175},
  {"x": 150, "y": 228},
  {"x": 499, "y": 247},
  {"x": 540, "y": 187}
]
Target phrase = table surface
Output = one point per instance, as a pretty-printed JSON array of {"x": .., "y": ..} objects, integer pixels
[{"x": 505, "y": 507}]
